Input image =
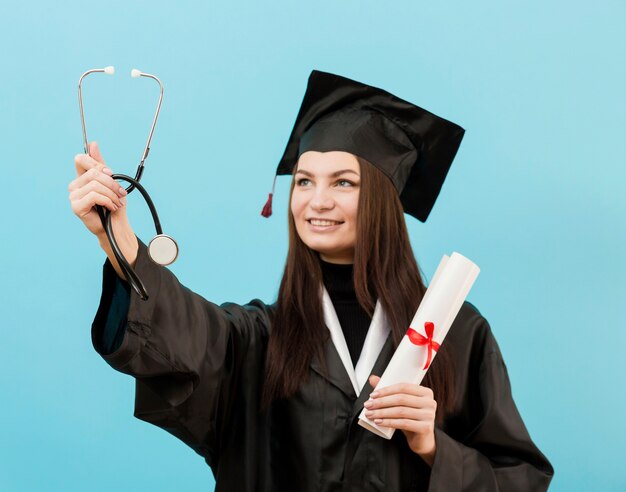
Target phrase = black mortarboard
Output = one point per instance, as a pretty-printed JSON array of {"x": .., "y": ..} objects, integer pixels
[{"x": 410, "y": 145}]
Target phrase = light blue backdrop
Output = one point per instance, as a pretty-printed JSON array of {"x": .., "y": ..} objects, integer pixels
[{"x": 535, "y": 197}]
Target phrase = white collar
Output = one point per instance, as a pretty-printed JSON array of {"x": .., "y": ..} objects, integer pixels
[{"x": 374, "y": 341}]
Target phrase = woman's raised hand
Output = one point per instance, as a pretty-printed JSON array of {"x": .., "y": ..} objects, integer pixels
[
  {"x": 410, "y": 408},
  {"x": 95, "y": 186}
]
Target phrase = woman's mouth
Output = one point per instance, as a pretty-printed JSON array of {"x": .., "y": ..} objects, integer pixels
[{"x": 324, "y": 222}]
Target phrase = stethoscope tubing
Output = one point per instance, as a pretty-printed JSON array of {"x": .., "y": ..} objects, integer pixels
[{"x": 106, "y": 219}]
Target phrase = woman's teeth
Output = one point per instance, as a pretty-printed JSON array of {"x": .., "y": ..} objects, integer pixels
[{"x": 317, "y": 222}]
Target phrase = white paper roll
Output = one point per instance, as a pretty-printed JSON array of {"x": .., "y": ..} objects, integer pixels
[{"x": 442, "y": 301}]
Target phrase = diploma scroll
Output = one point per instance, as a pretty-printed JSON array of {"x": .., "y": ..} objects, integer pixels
[{"x": 442, "y": 301}]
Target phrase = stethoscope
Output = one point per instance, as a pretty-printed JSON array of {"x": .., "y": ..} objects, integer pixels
[{"x": 162, "y": 249}]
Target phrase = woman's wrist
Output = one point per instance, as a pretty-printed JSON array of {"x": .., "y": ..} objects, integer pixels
[
  {"x": 128, "y": 245},
  {"x": 429, "y": 451}
]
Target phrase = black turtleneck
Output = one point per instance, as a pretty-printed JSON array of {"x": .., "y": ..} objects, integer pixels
[{"x": 352, "y": 317}]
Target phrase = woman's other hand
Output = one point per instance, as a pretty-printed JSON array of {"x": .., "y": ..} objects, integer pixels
[
  {"x": 95, "y": 186},
  {"x": 410, "y": 408}
]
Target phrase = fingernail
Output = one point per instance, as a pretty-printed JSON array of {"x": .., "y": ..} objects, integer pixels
[
  {"x": 122, "y": 191},
  {"x": 369, "y": 413},
  {"x": 378, "y": 421},
  {"x": 374, "y": 394},
  {"x": 367, "y": 404},
  {"x": 106, "y": 170}
]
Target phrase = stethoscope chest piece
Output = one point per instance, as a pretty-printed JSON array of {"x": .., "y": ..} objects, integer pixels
[{"x": 163, "y": 250}]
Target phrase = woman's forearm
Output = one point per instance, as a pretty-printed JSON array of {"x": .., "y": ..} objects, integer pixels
[{"x": 128, "y": 244}]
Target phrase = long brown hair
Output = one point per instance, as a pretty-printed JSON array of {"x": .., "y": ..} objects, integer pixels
[{"x": 384, "y": 268}]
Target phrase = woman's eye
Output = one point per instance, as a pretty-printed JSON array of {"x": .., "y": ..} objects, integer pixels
[
  {"x": 344, "y": 183},
  {"x": 303, "y": 182}
]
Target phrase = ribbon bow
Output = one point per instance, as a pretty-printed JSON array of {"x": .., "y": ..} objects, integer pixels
[{"x": 427, "y": 340}]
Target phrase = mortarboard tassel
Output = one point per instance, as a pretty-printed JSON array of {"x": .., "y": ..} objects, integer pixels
[{"x": 267, "y": 208}]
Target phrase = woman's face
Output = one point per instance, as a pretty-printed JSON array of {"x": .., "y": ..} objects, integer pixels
[{"x": 324, "y": 203}]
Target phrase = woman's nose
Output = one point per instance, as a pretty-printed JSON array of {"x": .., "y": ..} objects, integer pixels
[{"x": 322, "y": 199}]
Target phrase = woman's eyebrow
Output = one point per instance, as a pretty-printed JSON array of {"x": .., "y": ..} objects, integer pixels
[{"x": 332, "y": 175}]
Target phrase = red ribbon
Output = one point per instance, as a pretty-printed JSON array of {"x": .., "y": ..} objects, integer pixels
[{"x": 427, "y": 340}]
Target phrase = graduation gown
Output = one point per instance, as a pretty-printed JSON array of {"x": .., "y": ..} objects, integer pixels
[{"x": 199, "y": 369}]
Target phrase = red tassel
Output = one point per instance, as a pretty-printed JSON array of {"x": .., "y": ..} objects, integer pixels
[{"x": 267, "y": 209}]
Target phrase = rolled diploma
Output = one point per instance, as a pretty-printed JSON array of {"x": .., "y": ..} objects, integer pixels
[{"x": 441, "y": 303}]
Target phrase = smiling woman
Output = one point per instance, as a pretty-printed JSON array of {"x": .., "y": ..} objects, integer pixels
[
  {"x": 324, "y": 203},
  {"x": 270, "y": 395}
]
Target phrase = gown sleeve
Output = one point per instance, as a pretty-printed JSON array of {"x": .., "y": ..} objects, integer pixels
[
  {"x": 487, "y": 447},
  {"x": 110, "y": 323},
  {"x": 193, "y": 361}
]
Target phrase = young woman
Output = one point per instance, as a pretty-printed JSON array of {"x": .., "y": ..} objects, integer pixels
[{"x": 270, "y": 395}]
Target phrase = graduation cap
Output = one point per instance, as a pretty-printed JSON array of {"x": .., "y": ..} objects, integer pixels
[{"x": 411, "y": 146}]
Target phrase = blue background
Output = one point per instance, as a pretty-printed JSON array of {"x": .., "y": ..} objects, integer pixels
[{"x": 535, "y": 197}]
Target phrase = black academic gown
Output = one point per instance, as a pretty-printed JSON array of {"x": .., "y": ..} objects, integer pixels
[{"x": 199, "y": 370}]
